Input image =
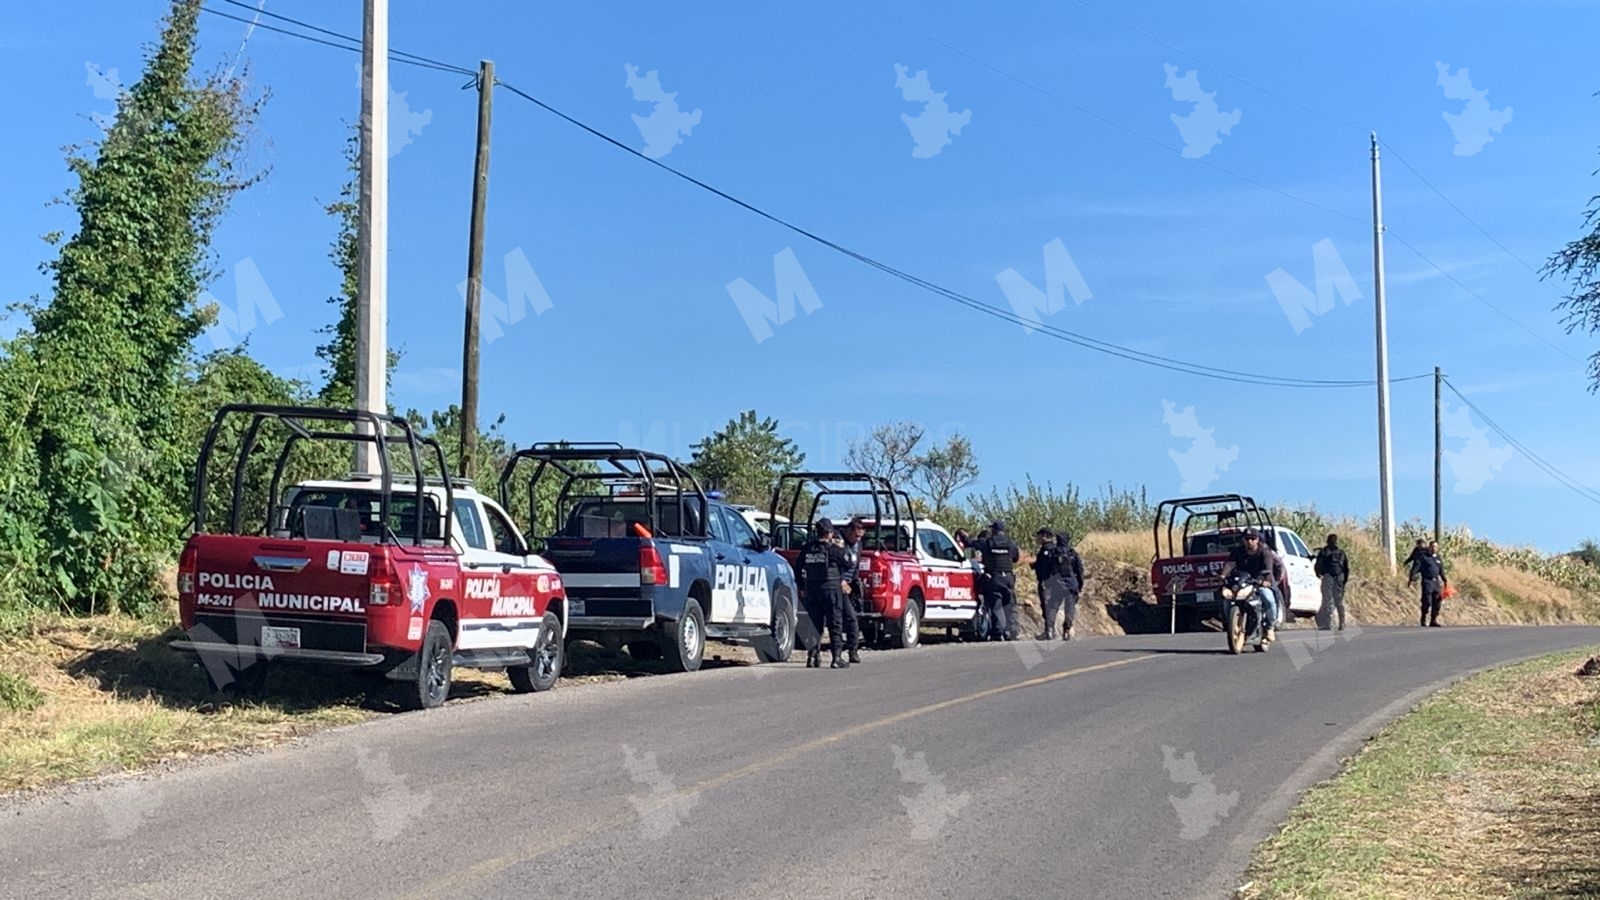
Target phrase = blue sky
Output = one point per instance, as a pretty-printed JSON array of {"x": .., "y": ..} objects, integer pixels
[{"x": 801, "y": 115}]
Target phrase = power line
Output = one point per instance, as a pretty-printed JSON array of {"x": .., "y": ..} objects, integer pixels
[
  {"x": 1568, "y": 481},
  {"x": 1080, "y": 340},
  {"x": 310, "y": 27},
  {"x": 395, "y": 56},
  {"x": 1298, "y": 105}
]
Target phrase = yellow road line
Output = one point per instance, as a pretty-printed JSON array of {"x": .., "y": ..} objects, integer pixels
[{"x": 458, "y": 883}]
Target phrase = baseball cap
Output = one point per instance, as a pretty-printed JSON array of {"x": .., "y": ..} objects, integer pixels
[{"x": 824, "y": 526}]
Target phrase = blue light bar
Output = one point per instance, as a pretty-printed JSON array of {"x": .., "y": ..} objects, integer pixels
[{"x": 714, "y": 495}]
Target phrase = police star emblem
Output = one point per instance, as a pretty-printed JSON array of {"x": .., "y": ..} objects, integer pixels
[{"x": 417, "y": 588}]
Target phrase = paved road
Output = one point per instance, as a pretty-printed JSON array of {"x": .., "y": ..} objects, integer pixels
[{"x": 950, "y": 771}]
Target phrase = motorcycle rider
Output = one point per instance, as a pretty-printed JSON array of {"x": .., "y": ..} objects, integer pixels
[
  {"x": 824, "y": 573},
  {"x": 1256, "y": 560}
]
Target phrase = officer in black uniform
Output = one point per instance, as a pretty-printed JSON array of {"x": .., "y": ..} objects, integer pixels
[
  {"x": 999, "y": 555},
  {"x": 1070, "y": 571},
  {"x": 854, "y": 530},
  {"x": 1429, "y": 566},
  {"x": 824, "y": 568}
]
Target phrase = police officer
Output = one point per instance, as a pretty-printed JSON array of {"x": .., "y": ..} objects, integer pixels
[
  {"x": 1047, "y": 570},
  {"x": 1429, "y": 566},
  {"x": 1000, "y": 554},
  {"x": 824, "y": 568},
  {"x": 853, "y": 532},
  {"x": 1070, "y": 572}
]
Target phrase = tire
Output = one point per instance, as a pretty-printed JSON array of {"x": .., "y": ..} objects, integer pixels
[
  {"x": 435, "y": 661},
  {"x": 548, "y": 657},
  {"x": 908, "y": 631},
  {"x": 683, "y": 643},
  {"x": 780, "y": 646},
  {"x": 1236, "y": 624},
  {"x": 645, "y": 651}
]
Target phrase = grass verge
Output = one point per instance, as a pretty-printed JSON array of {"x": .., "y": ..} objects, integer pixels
[{"x": 1489, "y": 789}]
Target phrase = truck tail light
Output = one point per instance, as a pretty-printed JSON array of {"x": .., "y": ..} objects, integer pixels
[
  {"x": 383, "y": 583},
  {"x": 188, "y": 563},
  {"x": 651, "y": 569}
]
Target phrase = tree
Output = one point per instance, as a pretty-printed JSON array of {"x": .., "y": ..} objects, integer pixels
[
  {"x": 338, "y": 355},
  {"x": 110, "y": 351},
  {"x": 745, "y": 458},
  {"x": 945, "y": 470},
  {"x": 1579, "y": 263},
  {"x": 889, "y": 452}
]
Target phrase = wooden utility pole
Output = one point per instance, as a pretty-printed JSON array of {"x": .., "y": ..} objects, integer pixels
[
  {"x": 372, "y": 308},
  {"x": 480, "y": 199},
  {"x": 1438, "y": 456}
]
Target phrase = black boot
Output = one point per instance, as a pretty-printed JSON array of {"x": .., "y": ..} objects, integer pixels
[
  {"x": 814, "y": 658},
  {"x": 839, "y": 662},
  {"x": 855, "y": 653}
]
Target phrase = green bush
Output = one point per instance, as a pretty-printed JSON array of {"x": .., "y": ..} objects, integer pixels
[{"x": 17, "y": 694}]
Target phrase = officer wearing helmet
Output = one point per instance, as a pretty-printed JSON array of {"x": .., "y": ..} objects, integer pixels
[{"x": 824, "y": 571}]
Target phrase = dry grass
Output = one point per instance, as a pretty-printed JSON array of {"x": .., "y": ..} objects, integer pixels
[{"x": 1490, "y": 789}]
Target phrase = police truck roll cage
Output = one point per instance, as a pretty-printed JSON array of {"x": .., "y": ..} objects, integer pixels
[
  {"x": 885, "y": 498},
  {"x": 622, "y": 471},
  {"x": 383, "y": 431},
  {"x": 1219, "y": 511}
]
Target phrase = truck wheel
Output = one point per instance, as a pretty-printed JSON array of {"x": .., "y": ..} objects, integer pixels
[
  {"x": 780, "y": 645},
  {"x": 432, "y": 684},
  {"x": 909, "y": 629},
  {"x": 683, "y": 642},
  {"x": 542, "y": 673},
  {"x": 644, "y": 651}
]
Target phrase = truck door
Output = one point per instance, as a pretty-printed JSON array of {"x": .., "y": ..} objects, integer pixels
[
  {"x": 756, "y": 574},
  {"x": 949, "y": 589},
  {"x": 1305, "y": 588},
  {"x": 727, "y": 561},
  {"x": 497, "y": 600}
]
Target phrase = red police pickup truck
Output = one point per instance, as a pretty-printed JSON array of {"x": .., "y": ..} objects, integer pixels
[
  {"x": 398, "y": 575},
  {"x": 895, "y": 584}
]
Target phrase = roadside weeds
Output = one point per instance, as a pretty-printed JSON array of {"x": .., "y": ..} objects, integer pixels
[{"x": 1488, "y": 789}]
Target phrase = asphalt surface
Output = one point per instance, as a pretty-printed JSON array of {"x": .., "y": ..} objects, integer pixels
[{"x": 948, "y": 771}]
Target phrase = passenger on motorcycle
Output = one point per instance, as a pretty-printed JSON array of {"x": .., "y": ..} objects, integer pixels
[{"x": 1256, "y": 560}]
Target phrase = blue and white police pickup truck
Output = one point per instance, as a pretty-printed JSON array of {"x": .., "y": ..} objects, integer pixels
[{"x": 649, "y": 560}]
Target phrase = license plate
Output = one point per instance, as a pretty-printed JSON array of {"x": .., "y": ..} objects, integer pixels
[
  {"x": 276, "y": 638},
  {"x": 575, "y": 608},
  {"x": 1205, "y": 596}
]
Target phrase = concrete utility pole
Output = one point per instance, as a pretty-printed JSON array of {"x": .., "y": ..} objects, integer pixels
[
  {"x": 480, "y": 199},
  {"x": 1385, "y": 476},
  {"x": 1438, "y": 455},
  {"x": 372, "y": 305}
]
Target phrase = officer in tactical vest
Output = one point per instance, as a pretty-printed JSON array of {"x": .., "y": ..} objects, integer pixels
[
  {"x": 854, "y": 530},
  {"x": 1060, "y": 572},
  {"x": 824, "y": 571},
  {"x": 1000, "y": 554}
]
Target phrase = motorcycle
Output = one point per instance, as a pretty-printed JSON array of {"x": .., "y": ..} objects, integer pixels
[{"x": 1243, "y": 614}]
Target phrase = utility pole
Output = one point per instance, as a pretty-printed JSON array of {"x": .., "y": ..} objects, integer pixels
[
  {"x": 480, "y": 198},
  {"x": 372, "y": 303},
  {"x": 1385, "y": 475},
  {"x": 1438, "y": 455}
]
